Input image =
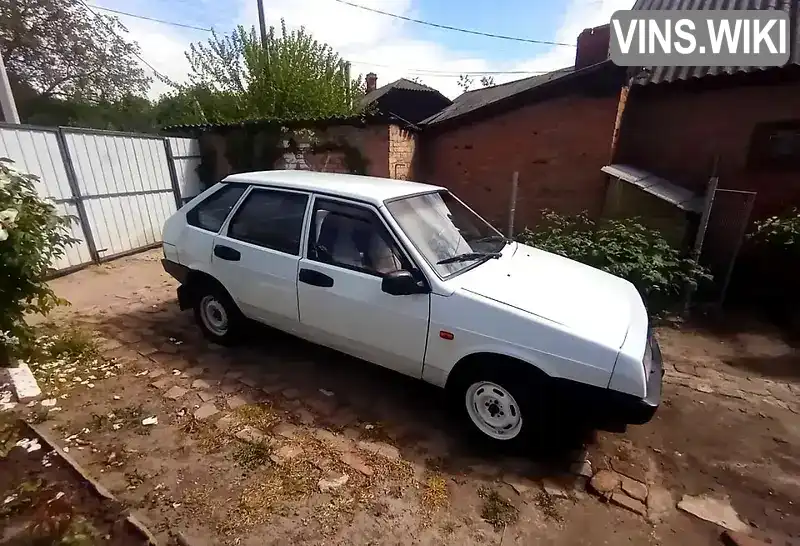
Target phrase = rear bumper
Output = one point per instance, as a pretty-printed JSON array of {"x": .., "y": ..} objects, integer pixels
[
  {"x": 180, "y": 273},
  {"x": 177, "y": 271}
]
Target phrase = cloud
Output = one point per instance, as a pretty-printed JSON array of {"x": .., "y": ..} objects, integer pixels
[{"x": 372, "y": 42}]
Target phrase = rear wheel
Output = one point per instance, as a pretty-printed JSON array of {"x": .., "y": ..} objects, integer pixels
[{"x": 217, "y": 315}]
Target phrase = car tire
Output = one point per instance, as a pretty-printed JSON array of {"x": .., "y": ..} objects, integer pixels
[
  {"x": 499, "y": 404},
  {"x": 217, "y": 315}
]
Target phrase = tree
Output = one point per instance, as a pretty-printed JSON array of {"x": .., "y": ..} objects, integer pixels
[
  {"x": 465, "y": 81},
  {"x": 32, "y": 236},
  {"x": 291, "y": 76},
  {"x": 62, "y": 50}
]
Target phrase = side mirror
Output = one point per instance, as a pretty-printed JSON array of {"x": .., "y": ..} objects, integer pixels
[{"x": 402, "y": 283}]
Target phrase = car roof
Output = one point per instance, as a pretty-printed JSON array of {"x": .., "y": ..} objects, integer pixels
[{"x": 364, "y": 188}]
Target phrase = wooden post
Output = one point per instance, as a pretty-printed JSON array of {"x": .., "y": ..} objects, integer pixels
[{"x": 512, "y": 206}]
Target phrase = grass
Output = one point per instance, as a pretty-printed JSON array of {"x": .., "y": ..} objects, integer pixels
[
  {"x": 64, "y": 356},
  {"x": 259, "y": 416},
  {"x": 268, "y": 495},
  {"x": 496, "y": 510},
  {"x": 209, "y": 438},
  {"x": 435, "y": 495}
]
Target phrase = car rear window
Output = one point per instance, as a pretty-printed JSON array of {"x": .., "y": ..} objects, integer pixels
[{"x": 211, "y": 213}]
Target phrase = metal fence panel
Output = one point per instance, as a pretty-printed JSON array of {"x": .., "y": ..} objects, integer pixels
[
  {"x": 127, "y": 187},
  {"x": 727, "y": 225},
  {"x": 37, "y": 151},
  {"x": 185, "y": 154}
]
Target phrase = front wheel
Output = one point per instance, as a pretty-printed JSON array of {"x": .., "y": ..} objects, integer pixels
[
  {"x": 498, "y": 404},
  {"x": 493, "y": 410}
]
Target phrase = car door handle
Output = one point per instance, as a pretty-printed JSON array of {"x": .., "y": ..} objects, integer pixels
[
  {"x": 315, "y": 278},
  {"x": 227, "y": 253}
]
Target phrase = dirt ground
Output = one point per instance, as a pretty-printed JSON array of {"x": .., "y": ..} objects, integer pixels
[
  {"x": 45, "y": 502},
  {"x": 282, "y": 442}
]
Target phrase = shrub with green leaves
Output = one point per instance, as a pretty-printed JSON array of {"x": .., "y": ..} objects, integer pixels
[
  {"x": 32, "y": 236},
  {"x": 779, "y": 231},
  {"x": 625, "y": 248}
]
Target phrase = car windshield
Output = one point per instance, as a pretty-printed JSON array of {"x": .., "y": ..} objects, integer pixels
[{"x": 448, "y": 234}]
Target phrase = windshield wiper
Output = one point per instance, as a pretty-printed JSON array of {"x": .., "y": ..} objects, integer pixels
[
  {"x": 491, "y": 238},
  {"x": 469, "y": 256}
]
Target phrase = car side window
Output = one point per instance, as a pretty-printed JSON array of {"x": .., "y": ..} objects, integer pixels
[
  {"x": 270, "y": 218},
  {"x": 352, "y": 237},
  {"x": 211, "y": 213}
]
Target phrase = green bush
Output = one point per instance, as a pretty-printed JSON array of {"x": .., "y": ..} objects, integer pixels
[
  {"x": 624, "y": 248},
  {"x": 779, "y": 231},
  {"x": 32, "y": 236}
]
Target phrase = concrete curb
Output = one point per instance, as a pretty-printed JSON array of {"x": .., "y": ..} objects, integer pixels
[
  {"x": 24, "y": 383},
  {"x": 97, "y": 486}
]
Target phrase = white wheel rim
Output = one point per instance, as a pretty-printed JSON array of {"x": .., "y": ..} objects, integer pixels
[
  {"x": 214, "y": 316},
  {"x": 493, "y": 410}
]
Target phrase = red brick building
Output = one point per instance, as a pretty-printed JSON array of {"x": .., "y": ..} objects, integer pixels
[
  {"x": 742, "y": 124},
  {"x": 554, "y": 130},
  {"x": 679, "y": 122}
]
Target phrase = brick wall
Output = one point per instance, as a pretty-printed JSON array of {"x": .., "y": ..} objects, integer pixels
[
  {"x": 402, "y": 148},
  {"x": 558, "y": 147},
  {"x": 677, "y": 132}
]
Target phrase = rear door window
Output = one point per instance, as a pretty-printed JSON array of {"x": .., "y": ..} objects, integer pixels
[{"x": 271, "y": 219}]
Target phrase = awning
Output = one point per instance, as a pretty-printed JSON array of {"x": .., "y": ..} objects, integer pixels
[{"x": 663, "y": 189}]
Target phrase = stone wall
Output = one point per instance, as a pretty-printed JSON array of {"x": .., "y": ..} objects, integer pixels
[{"x": 339, "y": 149}]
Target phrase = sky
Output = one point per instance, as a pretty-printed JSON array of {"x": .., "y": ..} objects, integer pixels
[{"x": 389, "y": 47}]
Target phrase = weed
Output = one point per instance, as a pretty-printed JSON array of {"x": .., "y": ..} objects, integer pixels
[
  {"x": 80, "y": 532},
  {"x": 496, "y": 510},
  {"x": 252, "y": 455},
  {"x": 134, "y": 478},
  {"x": 38, "y": 415},
  {"x": 449, "y": 527},
  {"x": 547, "y": 505},
  {"x": 209, "y": 438}
]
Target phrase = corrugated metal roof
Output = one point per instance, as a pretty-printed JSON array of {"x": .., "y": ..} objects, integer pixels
[
  {"x": 478, "y": 98},
  {"x": 663, "y": 189},
  {"x": 296, "y": 123},
  {"x": 402, "y": 83},
  {"x": 663, "y": 74}
]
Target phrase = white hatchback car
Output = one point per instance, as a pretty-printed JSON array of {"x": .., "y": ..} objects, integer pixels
[{"x": 406, "y": 276}]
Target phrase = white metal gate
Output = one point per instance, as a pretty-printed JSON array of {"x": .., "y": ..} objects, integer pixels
[
  {"x": 38, "y": 151},
  {"x": 125, "y": 184},
  {"x": 184, "y": 154},
  {"x": 121, "y": 187}
]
